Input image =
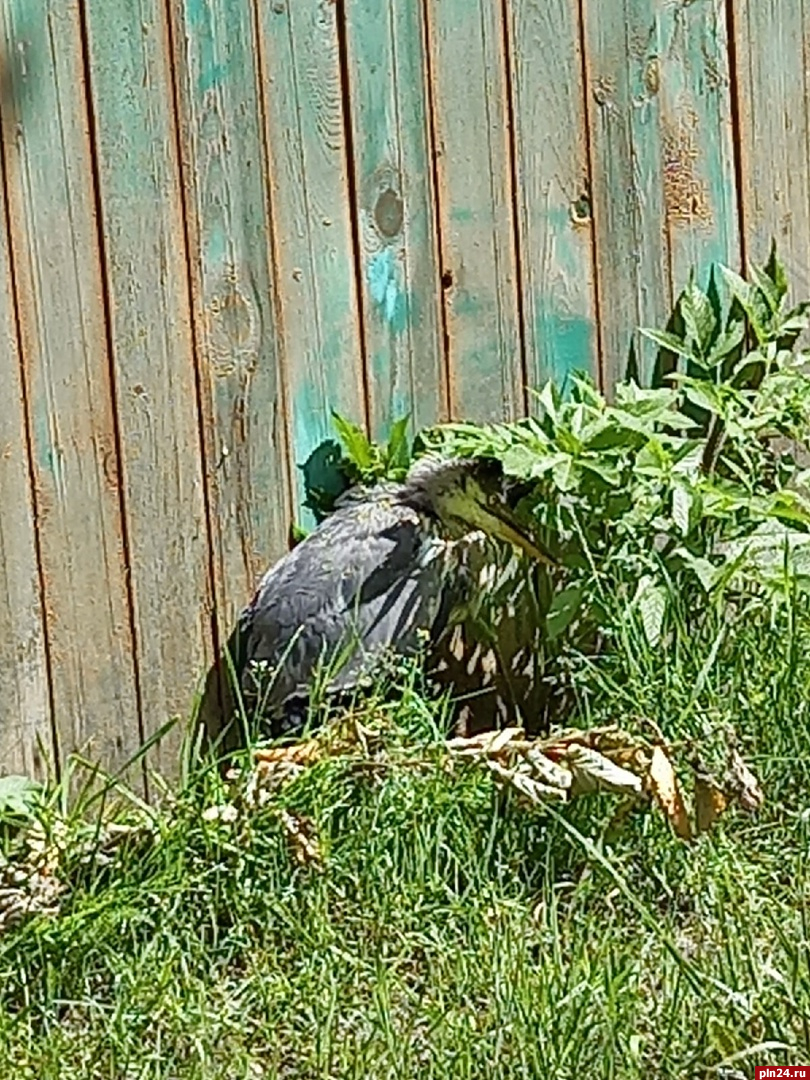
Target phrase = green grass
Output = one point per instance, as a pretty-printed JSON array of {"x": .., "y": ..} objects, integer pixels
[{"x": 451, "y": 932}]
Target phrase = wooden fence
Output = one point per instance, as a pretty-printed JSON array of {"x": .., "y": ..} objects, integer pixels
[{"x": 222, "y": 218}]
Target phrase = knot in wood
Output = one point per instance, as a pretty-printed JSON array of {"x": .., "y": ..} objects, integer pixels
[
  {"x": 603, "y": 91},
  {"x": 232, "y": 329},
  {"x": 389, "y": 213},
  {"x": 581, "y": 210},
  {"x": 652, "y": 76}
]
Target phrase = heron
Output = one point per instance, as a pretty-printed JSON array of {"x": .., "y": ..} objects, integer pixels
[{"x": 385, "y": 574}]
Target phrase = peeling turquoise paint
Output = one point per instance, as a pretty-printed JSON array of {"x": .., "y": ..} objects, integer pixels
[
  {"x": 569, "y": 340},
  {"x": 212, "y": 76},
  {"x": 386, "y": 292},
  {"x": 466, "y": 303},
  {"x": 42, "y": 440},
  {"x": 212, "y": 72}
]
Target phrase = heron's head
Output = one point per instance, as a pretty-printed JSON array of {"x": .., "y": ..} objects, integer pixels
[{"x": 468, "y": 495}]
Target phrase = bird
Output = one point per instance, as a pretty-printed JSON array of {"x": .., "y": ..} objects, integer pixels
[{"x": 388, "y": 573}]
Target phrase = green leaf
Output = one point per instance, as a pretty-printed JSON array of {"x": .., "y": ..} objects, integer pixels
[
  {"x": 562, "y": 611},
  {"x": 738, "y": 286},
  {"x": 298, "y": 533},
  {"x": 564, "y": 473},
  {"x": 698, "y": 316},
  {"x": 549, "y": 399},
  {"x": 616, "y": 435},
  {"x": 705, "y": 571},
  {"x": 651, "y": 600},
  {"x": 749, "y": 300},
  {"x": 19, "y": 796},
  {"x": 670, "y": 342},
  {"x": 681, "y": 505},
  {"x": 548, "y": 463},
  {"x": 705, "y": 395},
  {"x": 396, "y": 452},
  {"x": 775, "y": 270},
  {"x": 688, "y": 457},
  {"x": 605, "y": 470},
  {"x": 727, "y": 342},
  {"x": 766, "y": 287},
  {"x": 358, "y": 448},
  {"x": 797, "y": 319},
  {"x": 585, "y": 391},
  {"x": 653, "y": 459},
  {"x": 519, "y": 461},
  {"x": 653, "y": 403}
]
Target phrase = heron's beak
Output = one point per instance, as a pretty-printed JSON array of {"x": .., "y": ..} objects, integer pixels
[{"x": 498, "y": 524}]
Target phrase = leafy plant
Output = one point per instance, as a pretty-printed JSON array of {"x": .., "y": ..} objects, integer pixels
[
  {"x": 332, "y": 468},
  {"x": 19, "y": 797},
  {"x": 367, "y": 462},
  {"x": 693, "y": 483}
]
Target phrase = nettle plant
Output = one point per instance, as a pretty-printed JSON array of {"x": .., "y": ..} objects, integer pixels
[{"x": 694, "y": 483}]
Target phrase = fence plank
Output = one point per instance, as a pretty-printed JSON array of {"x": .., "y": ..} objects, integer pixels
[
  {"x": 157, "y": 408},
  {"x": 663, "y": 167},
  {"x": 25, "y": 715},
  {"x": 311, "y": 219},
  {"x": 57, "y": 271},
  {"x": 475, "y": 206},
  {"x": 234, "y": 293},
  {"x": 772, "y": 85},
  {"x": 399, "y": 248},
  {"x": 633, "y": 271},
  {"x": 700, "y": 188},
  {"x": 553, "y": 172}
]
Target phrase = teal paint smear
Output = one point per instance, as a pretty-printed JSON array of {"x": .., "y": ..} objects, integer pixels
[
  {"x": 212, "y": 77},
  {"x": 42, "y": 440},
  {"x": 200, "y": 19},
  {"x": 466, "y": 303},
  {"x": 567, "y": 343},
  {"x": 385, "y": 290}
]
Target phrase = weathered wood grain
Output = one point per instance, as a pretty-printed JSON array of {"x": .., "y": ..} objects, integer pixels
[
  {"x": 774, "y": 101},
  {"x": 479, "y": 273},
  {"x": 311, "y": 221},
  {"x": 147, "y": 279},
  {"x": 553, "y": 190},
  {"x": 25, "y": 714},
  {"x": 663, "y": 170},
  {"x": 623, "y": 73},
  {"x": 700, "y": 188},
  {"x": 59, "y": 294},
  {"x": 234, "y": 293},
  {"x": 401, "y": 293}
]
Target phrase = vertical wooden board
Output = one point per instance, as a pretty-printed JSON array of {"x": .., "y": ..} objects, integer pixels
[
  {"x": 234, "y": 292},
  {"x": 147, "y": 278},
  {"x": 471, "y": 117},
  {"x": 553, "y": 190},
  {"x": 772, "y": 87},
  {"x": 311, "y": 220},
  {"x": 700, "y": 189},
  {"x": 623, "y": 75},
  {"x": 662, "y": 149},
  {"x": 399, "y": 249},
  {"x": 25, "y": 715},
  {"x": 58, "y": 276}
]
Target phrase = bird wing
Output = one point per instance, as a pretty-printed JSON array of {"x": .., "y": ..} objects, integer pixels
[{"x": 369, "y": 578}]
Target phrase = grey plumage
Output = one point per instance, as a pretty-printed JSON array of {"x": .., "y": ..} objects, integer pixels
[
  {"x": 368, "y": 578},
  {"x": 384, "y": 572}
]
